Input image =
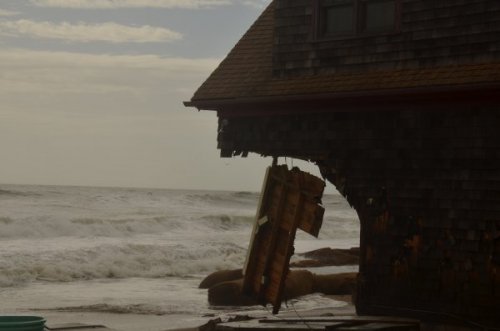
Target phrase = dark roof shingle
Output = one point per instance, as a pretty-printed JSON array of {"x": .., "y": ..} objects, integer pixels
[{"x": 247, "y": 72}]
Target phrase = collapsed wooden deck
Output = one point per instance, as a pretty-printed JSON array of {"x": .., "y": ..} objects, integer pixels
[
  {"x": 290, "y": 199},
  {"x": 341, "y": 323}
]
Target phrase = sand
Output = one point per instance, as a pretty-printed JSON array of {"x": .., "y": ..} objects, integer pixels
[{"x": 135, "y": 322}]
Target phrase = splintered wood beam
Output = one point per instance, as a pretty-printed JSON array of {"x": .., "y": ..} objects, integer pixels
[{"x": 290, "y": 199}]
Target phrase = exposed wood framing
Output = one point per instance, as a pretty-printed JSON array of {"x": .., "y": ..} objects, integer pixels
[{"x": 290, "y": 199}]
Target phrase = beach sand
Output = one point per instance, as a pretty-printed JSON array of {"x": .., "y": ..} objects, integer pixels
[
  {"x": 119, "y": 322},
  {"x": 138, "y": 322}
]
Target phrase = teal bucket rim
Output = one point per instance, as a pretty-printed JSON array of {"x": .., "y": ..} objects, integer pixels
[{"x": 21, "y": 320}]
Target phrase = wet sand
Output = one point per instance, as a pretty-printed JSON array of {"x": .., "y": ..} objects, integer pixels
[{"x": 123, "y": 321}]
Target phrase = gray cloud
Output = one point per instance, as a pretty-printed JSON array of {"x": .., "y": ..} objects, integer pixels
[
  {"x": 4, "y": 12},
  {"x": 46, "y": 72},
  {"x": 111, "y": 4},
  {"x": 259, "y": 4},
  {"x": 82, "y": 32}
]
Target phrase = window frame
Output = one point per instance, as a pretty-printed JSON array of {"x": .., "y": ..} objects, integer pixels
[
  {"x": 359, "y": 21},
  {"x": 321, "y": 17}
]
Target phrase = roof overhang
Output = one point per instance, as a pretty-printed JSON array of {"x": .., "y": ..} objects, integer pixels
[{"x": 477, "y": 94}]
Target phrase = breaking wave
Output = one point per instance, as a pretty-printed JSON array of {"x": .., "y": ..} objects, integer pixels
[
  {"x": 138, "y": 309},
  {"x": 337, "y": 226},
  {"x": 119, "y": 261},
  {"x": 65, "y": 234},
  {"x": 12, "y": 193},
  {"x": 43, "y": 227}
]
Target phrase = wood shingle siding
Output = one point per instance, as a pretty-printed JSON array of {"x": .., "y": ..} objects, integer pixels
[
  {"x": 426, "y": 187},
  {"x": 445, "y": 32}
]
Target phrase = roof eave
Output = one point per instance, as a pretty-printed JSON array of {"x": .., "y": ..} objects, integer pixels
[{"x": 429, "y": 93}]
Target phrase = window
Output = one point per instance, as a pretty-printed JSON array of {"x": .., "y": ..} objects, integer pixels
[
  {"x": 339, "y": 19},
  {"x": 352, "y": 17},
  {"x": 379, "y": 15}
]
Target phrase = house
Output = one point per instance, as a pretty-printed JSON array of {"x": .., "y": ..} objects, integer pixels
[{"x": 398, "y": 103}]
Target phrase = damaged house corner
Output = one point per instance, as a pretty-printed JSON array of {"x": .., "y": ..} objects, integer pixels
[{"x": 398, "y": 105}]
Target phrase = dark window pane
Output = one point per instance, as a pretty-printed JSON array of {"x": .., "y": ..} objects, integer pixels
[
  {"x": 339, "y": 19},
  {"x": 380, "y": 15}
]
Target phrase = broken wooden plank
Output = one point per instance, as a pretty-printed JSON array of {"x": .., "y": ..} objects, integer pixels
[
  {"x": 344, "y": 323},
  {"x": 290, "y": 199}
]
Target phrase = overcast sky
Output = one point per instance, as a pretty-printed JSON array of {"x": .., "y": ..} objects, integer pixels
[{"x": 91, "y": 92}]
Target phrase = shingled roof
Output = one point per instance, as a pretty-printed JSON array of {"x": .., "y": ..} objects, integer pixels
[
  {"x": 247, "y": 74},
  {"x": 248, "y": 65}
]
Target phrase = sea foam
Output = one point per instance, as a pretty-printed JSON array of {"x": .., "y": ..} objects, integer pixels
[
  {"x": 65, "y": 234},
  {"x": 119, "y": 261}
]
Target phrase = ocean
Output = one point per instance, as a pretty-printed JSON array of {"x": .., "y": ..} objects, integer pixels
[{"x": 133, "y": 258}]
